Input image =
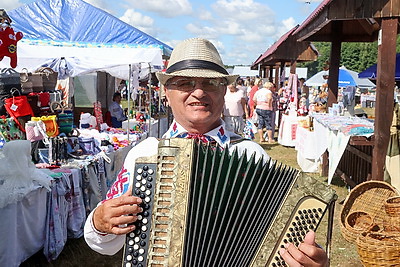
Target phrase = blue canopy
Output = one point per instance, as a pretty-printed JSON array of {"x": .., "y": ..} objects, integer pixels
[
  {"x": 77, "y": 21},
  {"x": 371, "y": 72}
]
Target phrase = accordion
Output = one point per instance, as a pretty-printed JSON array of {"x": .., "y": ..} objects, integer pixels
[{"x": 207, "y": 206}]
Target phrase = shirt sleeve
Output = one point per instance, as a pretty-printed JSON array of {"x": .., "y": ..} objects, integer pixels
[{"x": 109, "y": 244}]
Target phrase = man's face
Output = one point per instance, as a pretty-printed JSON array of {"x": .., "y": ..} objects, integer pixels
[{"x": 196, "y": 103}]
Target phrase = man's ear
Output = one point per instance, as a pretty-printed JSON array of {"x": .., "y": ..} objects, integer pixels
[{"x": 166, "y": 92}]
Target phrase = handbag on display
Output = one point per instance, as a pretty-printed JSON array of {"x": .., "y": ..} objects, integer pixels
[
  {"x": 50, "y": 123},
  {"x": 35, "y": 131},
  {"x": 49, "y": 78},
  {"x": 65, "y": 117},
  {"x": 26, "y": 83},
  {"x": 31, "y": 80},
  {"x": 9, "y": 129},
  {"x": 9, "y": 79},
  {"x": 89, "y": 145},
  {"x": 18, "y": 107}
]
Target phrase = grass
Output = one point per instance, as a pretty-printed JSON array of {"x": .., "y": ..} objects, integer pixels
[{"x": 343, "y": 254}]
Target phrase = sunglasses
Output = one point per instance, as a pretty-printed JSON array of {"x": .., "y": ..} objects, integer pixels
[{"x": 188, "y": 85}]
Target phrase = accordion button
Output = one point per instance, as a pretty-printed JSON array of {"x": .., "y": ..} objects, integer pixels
[
  {"x": 134, "y": 262},
  {"x": 144, "y": 181},
  {"x": 150, "y": 179},
  {"x": 144, "y": 221},
  {"x": 141, "y": 251},
  {"x": 137, "y": 184},
  {"x": 142, "y": 243},
  {"x": 146, "y": 206},
  {"x": 137, "y": 192},
  {"x": 140, "y": 265},
  {"x": 144, "y": 228},
  {"x": 140, "y": 258},
  {"x": 147, "y": 199},
  {"x": 136, "y": 247},
  {"x": 139, "y": 217},
  {"x": 151, "y": 171},
  {"x": 145, "y": 214},
  {"x": 139, "y": 177},
  {"x": 320, "y": 210},
  {"x": 142, "y": 195},
  {"x": 136, "y": 254},
  {"x": 145, "y": 167},
  {"x": 148, "y": 192},
  {"x": 143, "y": 236},
  {"x": 129, "y": 257},
  {"x": 132, "y": 235},
  {"x": 137, "y": 239},
  {"x": 149, "y": 185},
  {"x": 142, "y": 188},
  {"x": 139, "y": 170},
  {"x": 130, "y": 242},
  {"x": 128, "y": 264},
  {"x": 145, "y": 174}
]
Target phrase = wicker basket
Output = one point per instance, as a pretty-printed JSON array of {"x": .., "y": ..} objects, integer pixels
[
  {"x": 359, "y": 221},
  {"x": 368, "y": 197},
  {"x": 378, "y": 249},
  {"x": 392, "y": 206}
]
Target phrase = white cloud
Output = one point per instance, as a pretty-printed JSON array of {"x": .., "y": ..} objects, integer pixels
[
  {"x": 242, "y": 10},
  {"x": 164, "y": 8},
  {"x": 140, "y": 21},
  {"x": 9, "y": 5},
  {"x": 102, "y": 4}
]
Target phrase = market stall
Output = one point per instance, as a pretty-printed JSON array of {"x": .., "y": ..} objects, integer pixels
[{"x": 341, "y": 137}]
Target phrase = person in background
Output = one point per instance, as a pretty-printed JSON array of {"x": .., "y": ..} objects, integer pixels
[
  {"x": 116, "y": 111},
  {"x": 257, "y": 85},
  {"x": 263, "y": 102},
  {"x": 195, "y": 83},
  {"x": 235, "y": 109}
]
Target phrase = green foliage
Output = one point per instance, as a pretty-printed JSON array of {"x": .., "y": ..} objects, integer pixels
[{"x": 354, "y": 56}]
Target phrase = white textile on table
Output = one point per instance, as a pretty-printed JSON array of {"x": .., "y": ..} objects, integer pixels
[
  {"x": 337, "y": 143},
  {"x": 22, "y": 228},
  {"x": 287, "y": 130},
  {"x": 310, "y": 146},
  {"x": 18, "y": 174}
]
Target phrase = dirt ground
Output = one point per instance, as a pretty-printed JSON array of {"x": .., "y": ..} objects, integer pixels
[{"x": 343, "y": 254}]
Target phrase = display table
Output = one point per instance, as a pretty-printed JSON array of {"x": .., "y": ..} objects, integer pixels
[
  {"x": 310, "y": 145},
  {"x": 22, "y": 228},
  {"x": 287, "y": 130},
  {"x": 347, "y": 140},
  {"x": 156, "y": 128}
]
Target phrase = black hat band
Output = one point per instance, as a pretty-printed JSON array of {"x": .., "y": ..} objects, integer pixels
[{"x": 196, "y": 64}]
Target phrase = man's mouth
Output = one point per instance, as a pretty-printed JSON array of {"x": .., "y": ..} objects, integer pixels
[{"x": 198, "y": 104}]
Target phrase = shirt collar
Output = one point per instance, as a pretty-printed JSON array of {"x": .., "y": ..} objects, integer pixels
[{"x": 219, "y": 134}]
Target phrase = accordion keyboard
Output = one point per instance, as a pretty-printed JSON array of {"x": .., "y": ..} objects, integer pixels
[
  {"x": 305, "y": 217},
  {"x": 137, "y": 242}
]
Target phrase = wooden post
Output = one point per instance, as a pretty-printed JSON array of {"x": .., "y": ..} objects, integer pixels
[
  {"x": 384, "y": 94},
  {"x": 293, "y": 64},
  {"x": 277, "y": 73},
  {"x": 334, "y": 63},
  {"x": 271, "y": 74}
]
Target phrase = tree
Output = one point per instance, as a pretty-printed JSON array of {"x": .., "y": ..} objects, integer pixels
[{"x": 354, "y": 56}]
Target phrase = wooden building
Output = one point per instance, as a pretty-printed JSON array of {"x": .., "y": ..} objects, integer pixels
[{"x": 338, "y": 21}]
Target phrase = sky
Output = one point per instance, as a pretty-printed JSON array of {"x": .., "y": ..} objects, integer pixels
[{"x": 241, "y": 30}]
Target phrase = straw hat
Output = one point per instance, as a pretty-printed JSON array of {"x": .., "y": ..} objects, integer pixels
[{"x": 195, "y": 57}]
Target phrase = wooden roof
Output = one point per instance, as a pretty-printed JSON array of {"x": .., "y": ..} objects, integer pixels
[
  {"x": 287, "y": 49},
  {"x": 359, "y": 20}
]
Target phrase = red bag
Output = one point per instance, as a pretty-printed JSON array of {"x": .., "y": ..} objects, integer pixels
[{"x": 18, "y": 106}]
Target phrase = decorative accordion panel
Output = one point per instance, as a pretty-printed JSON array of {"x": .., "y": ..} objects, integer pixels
[{"x": 204, "y": 206}]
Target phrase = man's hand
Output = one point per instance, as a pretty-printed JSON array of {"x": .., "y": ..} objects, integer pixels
[
  {"x": 308, "y": 254},
  {"x": 111, "y": 215}
]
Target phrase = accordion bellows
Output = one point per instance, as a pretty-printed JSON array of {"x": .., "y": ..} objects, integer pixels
[{"x": 206, "y": 207}]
